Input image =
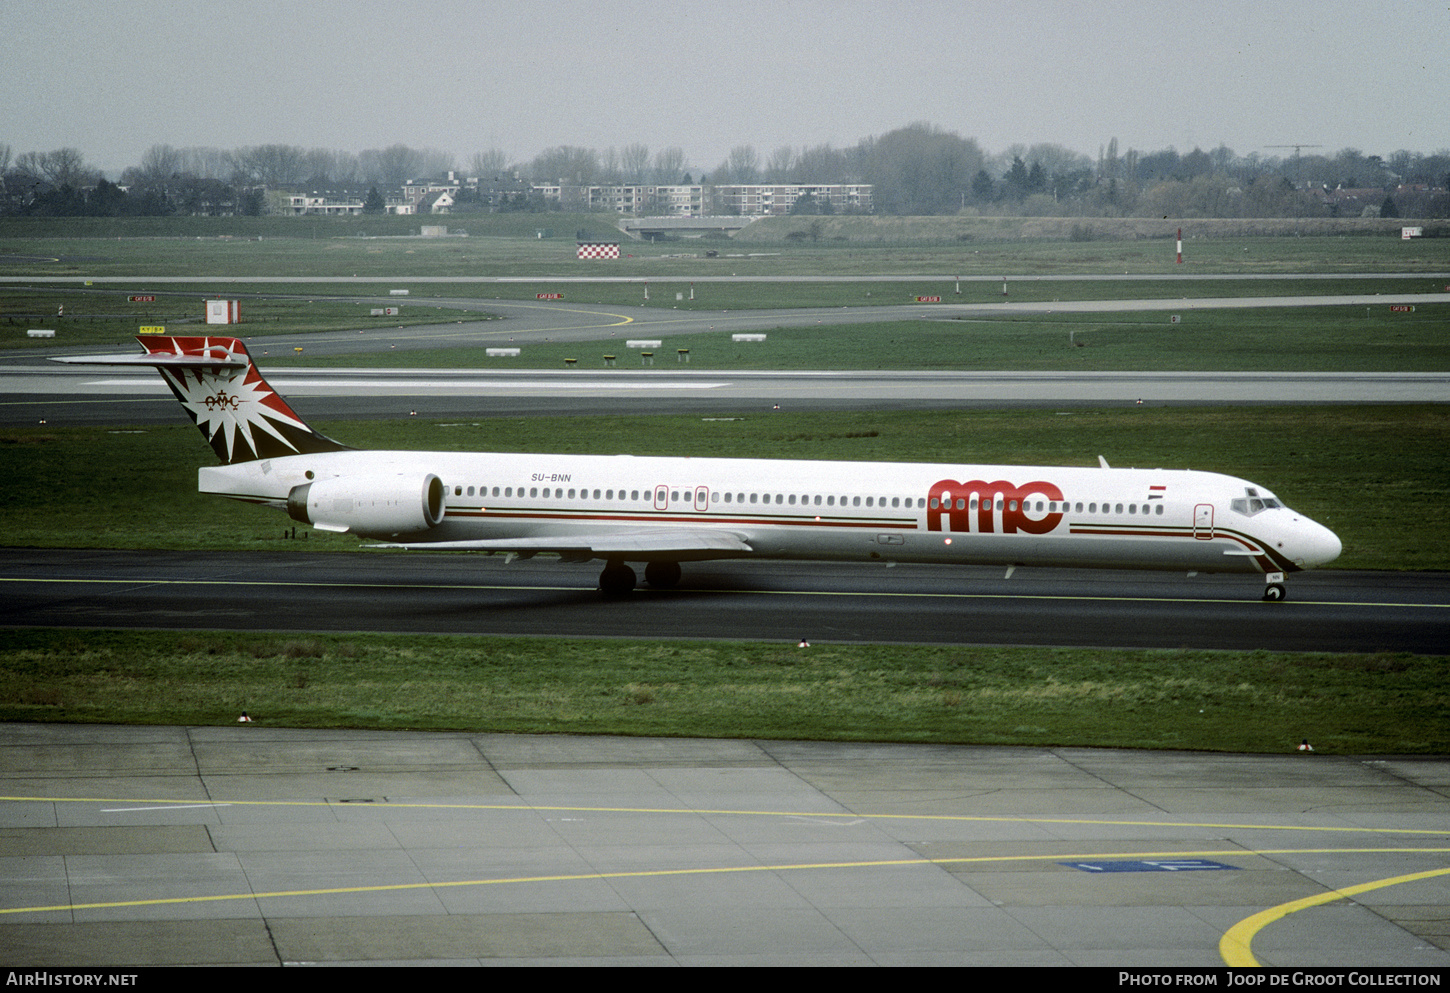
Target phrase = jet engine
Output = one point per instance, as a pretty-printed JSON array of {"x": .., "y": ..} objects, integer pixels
[{"x": 370, "y": 505}]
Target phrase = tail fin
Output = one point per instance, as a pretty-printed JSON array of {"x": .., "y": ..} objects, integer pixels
[{"x": 241, "y": 417}]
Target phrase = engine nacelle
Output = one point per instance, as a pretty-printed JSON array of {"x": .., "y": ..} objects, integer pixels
[{"x": 370, "y": 505}]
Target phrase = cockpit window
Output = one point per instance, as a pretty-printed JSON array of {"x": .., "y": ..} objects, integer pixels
[{"x": 1253, "y": 503}]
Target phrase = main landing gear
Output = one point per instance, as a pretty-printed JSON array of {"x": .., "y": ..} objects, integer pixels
[
  {"x": 662, "y": 575},
  {"x": 1274, "y": 588},
  {"x": 618, "y": 579}
]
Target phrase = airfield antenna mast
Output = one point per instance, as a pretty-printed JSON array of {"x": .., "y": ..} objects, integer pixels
[
  {"x": 1295, "y": 147},
  {"x": 1296, "y": 156}
]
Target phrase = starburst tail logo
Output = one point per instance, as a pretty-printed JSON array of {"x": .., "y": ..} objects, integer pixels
[{"x": 241, "y": 417}]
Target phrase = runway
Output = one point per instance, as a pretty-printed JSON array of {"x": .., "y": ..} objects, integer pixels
[
  {"x": 79, "y": 395},
  {"x": 248, "y": 845},
  {"x": 1332, "y": 611},
  {"x": 35, "y": 389}
]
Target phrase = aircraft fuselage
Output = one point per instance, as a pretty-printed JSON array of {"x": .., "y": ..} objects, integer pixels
[{"x": 906, "y": 512}]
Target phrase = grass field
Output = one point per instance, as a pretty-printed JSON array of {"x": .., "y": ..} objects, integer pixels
[
  {"x": 1326, "y": 338},
  {"x": 507, "y": 246},
  {"x": 1217, "y": 701},
  {"x": 1318, "y": 339},
  {"x": 92, "y": 318}
]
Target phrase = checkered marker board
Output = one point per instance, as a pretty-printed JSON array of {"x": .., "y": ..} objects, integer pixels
[{"x": 598, "y": 250}]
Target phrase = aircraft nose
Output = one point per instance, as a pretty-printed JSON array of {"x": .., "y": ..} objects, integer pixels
[{"x": 1317, "y": 545}]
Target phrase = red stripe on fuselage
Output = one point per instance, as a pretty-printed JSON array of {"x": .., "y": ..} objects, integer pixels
[{"x": 587, "y": 517}]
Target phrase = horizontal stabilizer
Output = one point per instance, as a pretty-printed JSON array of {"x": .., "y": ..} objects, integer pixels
[{"x": 159, "y": 361}]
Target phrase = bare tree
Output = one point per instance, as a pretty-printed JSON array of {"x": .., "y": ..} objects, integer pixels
[
  {"x": 742, "y": 166},
  {"x": 669, "y": 165},
  {"x": 634, "y": 163},
  {"x": 921, "y": 169},
  {"x": 610, "y": 168},
  {"x": 566, "y": 164},
  {"x": 490, "y": 164},
  {"x": 820, "y": 164},
  {"x": 346, "y": 169},
  {"x": 777, "y": 170},
  {"x": 1057, "y": 160},
  {"x": 324, "y": 167},
  {"x": 270, "y": 165},
  {"x": 435, "y": 162},
  {"x": 158, "y": 164},
  {"x": 390, "y": 167},
  {"x": 206, "y": 162},
  {"x": 62, "y": 167}
]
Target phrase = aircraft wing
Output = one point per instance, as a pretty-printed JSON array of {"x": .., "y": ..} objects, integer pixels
[{"x": 677, "y": 543}]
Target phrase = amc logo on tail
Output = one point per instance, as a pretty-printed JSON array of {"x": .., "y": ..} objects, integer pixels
[{"x": 999, "y": 502}]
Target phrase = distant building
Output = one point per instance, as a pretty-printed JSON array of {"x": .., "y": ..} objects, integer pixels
[
  {"x": 328, "y": 204},
  {"x": 635, "y": 198},
  {"x": 437, "y": 202},
  {"x": 762, "y": 199},
  {"x": 1351, "y": 202},
  {"x": 700, "y": 200},
  {"x": 441, "y": 196}
]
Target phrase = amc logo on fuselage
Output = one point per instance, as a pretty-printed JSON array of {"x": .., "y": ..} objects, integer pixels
[{"x": 952, "y": 505}]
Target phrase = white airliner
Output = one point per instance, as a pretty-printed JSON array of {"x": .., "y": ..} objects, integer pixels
[{"x": 663, "y": 511}]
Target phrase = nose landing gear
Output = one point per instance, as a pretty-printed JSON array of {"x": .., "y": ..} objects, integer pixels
[{"x": 1274, "y": 590}]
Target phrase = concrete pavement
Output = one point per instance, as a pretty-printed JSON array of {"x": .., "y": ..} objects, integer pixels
[{"x": 267, "y": 846}]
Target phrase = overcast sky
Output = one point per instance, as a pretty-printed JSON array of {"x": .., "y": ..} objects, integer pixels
[{"x": 112, "y": 79}]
